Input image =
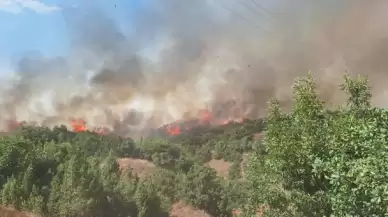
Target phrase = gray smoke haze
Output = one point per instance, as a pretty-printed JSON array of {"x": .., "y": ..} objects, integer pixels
[{"x": 205, "y": 54}]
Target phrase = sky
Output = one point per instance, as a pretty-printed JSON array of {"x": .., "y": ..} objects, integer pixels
[{"x": 39, "y": 25}]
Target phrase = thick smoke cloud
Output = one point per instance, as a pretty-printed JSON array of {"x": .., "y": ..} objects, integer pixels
[{"x": 226, "y": 56}]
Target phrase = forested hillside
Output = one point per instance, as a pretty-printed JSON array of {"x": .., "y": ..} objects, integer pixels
[{"x": 311, "y": 162}]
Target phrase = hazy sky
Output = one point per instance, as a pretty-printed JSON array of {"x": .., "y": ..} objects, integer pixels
[{"x": 39, "y": 25}]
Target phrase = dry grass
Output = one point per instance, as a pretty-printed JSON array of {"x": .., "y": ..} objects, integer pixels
[
  {"x": 9, "y": 212},
  {"x": 220, "y": 166},
  {"x": 181, "y": 209},
  {"x": 139, "y": 167},
  {"x": 259, "y": 211},
  {"x": 259, "y": 136}
]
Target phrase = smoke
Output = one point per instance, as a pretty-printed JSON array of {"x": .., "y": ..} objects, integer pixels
[{"x": 181, "y": 56}]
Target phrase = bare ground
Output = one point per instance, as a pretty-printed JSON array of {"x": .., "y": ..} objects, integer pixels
[
  {"x": 220, "y": 166},
  {"x": 259, "y": 211},
  {"x": 9, "y": 212},
  {"x": 259, "y": 136},
  {"x": 181, "y": 209},
  {"x": 139, "y": 167}
]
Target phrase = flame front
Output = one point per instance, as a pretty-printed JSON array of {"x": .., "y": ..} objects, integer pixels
[
  {"x": 174, "y": 130},
  {"x": 204, "y": 117},
  {"x": 78, "y": 125},
  {"x": 13, "y": 125}
]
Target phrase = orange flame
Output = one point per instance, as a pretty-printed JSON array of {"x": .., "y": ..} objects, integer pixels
[
  {"x": 174, "y": 130},
  {"x": 78, "y": 125},
  {"x": 205, "y": 117},
  {"x": 13, "y": 125}
]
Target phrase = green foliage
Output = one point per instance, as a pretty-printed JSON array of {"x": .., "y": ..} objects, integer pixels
[
  {"x": 54, "y": 172},
  {"x": 165, "y": 182},
  {"x": 323, "y": 163},
  {"x": 202, "y": 188},
  {"x": 312, "y": 162},
  {"x": 358, "y": 92},
  {"x": 147, "y": 200},
  {"x": 59, "y": 173},
  {"x": 235, "y": 169}
]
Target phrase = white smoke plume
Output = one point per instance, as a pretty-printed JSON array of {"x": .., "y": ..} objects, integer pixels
[{"x": 205, "y": 55}]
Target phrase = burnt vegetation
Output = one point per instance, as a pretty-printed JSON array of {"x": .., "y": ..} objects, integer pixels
[{"x": 312, "y": 162}]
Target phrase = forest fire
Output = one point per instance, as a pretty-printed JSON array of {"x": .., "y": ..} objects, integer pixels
[
  {"x": 79, "y": 125},
  {"x": 12, "y": 125},
  {"x": 173, "y": 129},
  {"x": 203, "y": 117}
]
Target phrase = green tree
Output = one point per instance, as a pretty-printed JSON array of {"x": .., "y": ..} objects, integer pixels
[
  {"x": 320, "y": 162},
  {"x": 147, "y": 200},
  {"x": 285, "y": 178},
  {"x": 203, "y": 189}
]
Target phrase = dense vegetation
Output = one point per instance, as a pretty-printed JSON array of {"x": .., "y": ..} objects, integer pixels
[{"x": 312, "y": 162}]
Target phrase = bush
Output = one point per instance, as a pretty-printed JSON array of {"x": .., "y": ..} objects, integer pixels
[
  {"x": 323, "y": 163},
  {"x": 312, "y": 162}
]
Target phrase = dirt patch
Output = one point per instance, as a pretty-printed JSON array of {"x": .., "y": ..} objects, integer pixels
[
  {"x": 220, "y": 166},
  {"x": 139, "y": 167},
  {"x": 181, "y": 209},
  {"x": 9, "y": 212},
  {"x": 259, "y": 136},
  {"x": 259, "y": 211}
]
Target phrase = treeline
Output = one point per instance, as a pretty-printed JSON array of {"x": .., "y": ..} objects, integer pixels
[
  {"x": 312, "y": 162},
  {"x": 320, "y": 162},
  {"x": 55, "y": 172}
]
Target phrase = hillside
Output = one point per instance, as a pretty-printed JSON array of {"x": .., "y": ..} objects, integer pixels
[{"x": 311, "y": 162}]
